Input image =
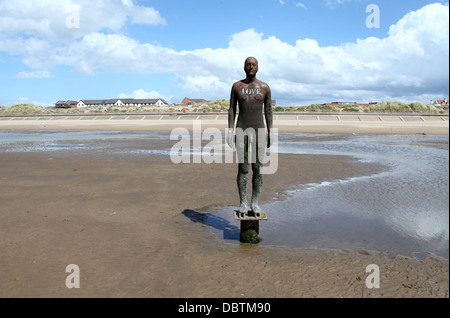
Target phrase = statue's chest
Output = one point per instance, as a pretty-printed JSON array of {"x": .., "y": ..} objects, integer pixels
[{"x": 250, "y": 93}]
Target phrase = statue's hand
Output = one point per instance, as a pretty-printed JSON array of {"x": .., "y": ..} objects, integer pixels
[
  {"x": 269, "y": 139},
  {"x": 229, "y": 138}
]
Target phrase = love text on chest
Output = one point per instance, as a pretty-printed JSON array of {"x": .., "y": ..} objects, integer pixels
[{"x": 251, "y": 91}]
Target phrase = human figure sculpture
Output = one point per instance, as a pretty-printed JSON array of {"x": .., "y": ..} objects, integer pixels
[{"x": 255, "y": 116}]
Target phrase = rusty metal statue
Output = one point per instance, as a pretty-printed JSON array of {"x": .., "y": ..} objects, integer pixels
[{"x": 255, "y": 116}]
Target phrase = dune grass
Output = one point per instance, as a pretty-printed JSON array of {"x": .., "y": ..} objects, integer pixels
[
  {"x": 222, "y": 105},
  {"x": 22, "y": 109}
]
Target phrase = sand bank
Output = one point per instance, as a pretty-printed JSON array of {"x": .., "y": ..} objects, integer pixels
[
  {"x": 120, "y": 219},
  {"x": 361, "y": 124}
]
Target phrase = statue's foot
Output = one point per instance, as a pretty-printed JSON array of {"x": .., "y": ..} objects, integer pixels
[
  {"x": 243, "y": 208},
  {"x": 256, "y": 209}
]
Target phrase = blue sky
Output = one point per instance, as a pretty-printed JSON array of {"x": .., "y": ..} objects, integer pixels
[{"x": 310, "y": 51}]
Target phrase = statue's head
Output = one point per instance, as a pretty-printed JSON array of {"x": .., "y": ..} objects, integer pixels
[{"x": 251, "y": 66}]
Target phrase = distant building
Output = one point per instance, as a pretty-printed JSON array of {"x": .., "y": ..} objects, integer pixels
[
  {"x": 340, "y": 103},
  {"x": 440, "y": 102},
  {"x": 66, "y": 104},
  {"x": 344, "y": 104},
  {"x": 193, "y": 102},
  {"x": 121, "y": 102}
]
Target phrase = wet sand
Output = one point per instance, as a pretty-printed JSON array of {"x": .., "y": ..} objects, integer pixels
[{"x": 120, "y": 219}]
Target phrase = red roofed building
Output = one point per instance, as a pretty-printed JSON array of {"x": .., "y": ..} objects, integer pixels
[
  {"x": 193, "y": 102},
  {"x": 66, "y": 104},
  {"x": 440, "y": 102}
]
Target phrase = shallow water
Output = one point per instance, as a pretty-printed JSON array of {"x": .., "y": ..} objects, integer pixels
[
  {"x": 131, "y": 142},
  {"x": 404, "y": 210}
]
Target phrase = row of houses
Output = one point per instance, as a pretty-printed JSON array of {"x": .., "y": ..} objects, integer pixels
[
  {"x": 436, "y": 102},
  {"x": 188, "y": 102},
  {"x": 110, "y": 102},
  {"x": 348, "y": 103}
]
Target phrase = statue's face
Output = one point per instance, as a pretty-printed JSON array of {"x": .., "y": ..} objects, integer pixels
[{"x": 251, "y": 66}]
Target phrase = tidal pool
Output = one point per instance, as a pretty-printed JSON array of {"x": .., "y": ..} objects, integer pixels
[{"x": 403, "y": 210}]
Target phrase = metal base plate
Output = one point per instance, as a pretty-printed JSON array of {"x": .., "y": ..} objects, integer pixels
[{"x": 250, "y": 216}]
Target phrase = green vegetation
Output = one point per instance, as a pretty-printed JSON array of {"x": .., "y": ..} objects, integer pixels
[
  {"x": 388, "y": 107},
  {"x": 217, "y": 105},
  {"x": 250, "y": 236},
  {"x": 321, "y": 108},
  {"x": 384, "y": 107},
  {"x": 350, "y": 109},
  {"x": 31, "y": 109},
  {"x": 399, "y": 107},
  {"x": 22, "y": 109},
  {"x": 224, "y": 102},
  {"x": 222, "y": 105},
  {"x": 422, "y": 108}
]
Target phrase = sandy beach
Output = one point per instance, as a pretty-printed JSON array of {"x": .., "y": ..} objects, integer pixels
[
  {"x": 121, "y": 220},
  {"x": 315, "y": 123}
]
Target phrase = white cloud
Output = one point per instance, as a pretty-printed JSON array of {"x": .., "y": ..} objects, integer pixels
[
  {"x": 411, "y": 63},
  {"x": 145, "y": 15},
  {"x": 123, "y": 53},
  {"x": 297, "y": 4},
  {"x": 335, "y": 3},
  {"x": 34, "y": 74},
  {"x": 141, "y": 94},
  {"x": 207, "y": 87},
  {"x": 48, "y": 19}
]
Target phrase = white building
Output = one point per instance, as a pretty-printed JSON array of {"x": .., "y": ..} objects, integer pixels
[{"x": 121, "y": 102}]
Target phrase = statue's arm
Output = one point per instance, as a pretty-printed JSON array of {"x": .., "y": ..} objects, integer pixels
[
  {"x": 232, "y": 110},
  {"x": 268, "y": 114},
  {"x": 268, "y": 109},
  {"x": 231, "y": 116}
]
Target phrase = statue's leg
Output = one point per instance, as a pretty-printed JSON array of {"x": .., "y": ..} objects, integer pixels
[
  {"x": 257, "y": 181},
  {"x": 257, "y": 178},
  {"x": 242, "y": 179}
]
